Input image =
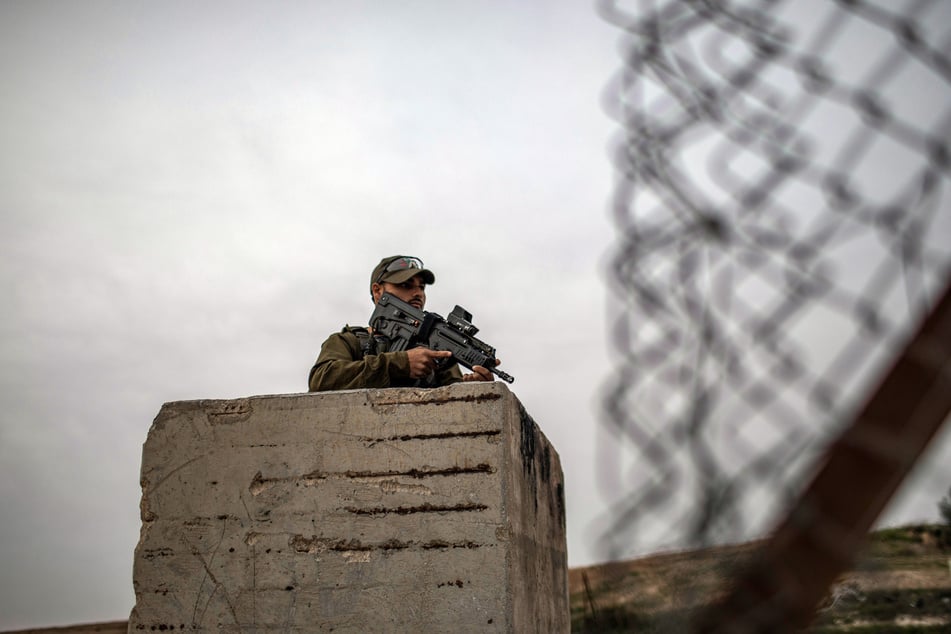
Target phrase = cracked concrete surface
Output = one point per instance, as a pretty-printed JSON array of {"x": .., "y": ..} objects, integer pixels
[{"x": 396, "y": 510}]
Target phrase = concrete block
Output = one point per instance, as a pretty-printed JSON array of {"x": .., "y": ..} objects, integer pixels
[{"x": 397, "y": 510}]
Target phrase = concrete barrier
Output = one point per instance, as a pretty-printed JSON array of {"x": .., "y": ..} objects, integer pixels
[{"x": 395, "y": 510}]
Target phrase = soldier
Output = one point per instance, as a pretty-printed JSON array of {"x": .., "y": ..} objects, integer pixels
[{"x": 353, "y": 358}]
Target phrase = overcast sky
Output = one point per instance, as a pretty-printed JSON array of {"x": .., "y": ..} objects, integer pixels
[{"x": 192, "y": 196}]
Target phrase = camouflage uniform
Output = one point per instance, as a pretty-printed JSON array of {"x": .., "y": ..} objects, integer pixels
[{"x": 346, "y": 363}]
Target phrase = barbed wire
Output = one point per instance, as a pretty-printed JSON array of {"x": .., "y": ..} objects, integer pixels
[{"x": 783, "y": 223}]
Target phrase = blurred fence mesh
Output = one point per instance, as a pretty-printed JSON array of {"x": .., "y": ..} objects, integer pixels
[{"x": 783, "y": 224}]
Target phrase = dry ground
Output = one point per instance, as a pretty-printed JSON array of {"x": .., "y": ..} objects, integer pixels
[{"x": 902, "y": 583}]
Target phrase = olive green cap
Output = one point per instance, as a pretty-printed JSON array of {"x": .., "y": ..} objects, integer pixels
[{"x": 397, "y": 269}]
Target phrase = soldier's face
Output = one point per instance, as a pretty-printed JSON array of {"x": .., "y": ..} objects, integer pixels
[{"x": 412, "y": 291}]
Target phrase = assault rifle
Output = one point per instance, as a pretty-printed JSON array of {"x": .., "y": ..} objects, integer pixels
[{"x": 408, "y": 327}]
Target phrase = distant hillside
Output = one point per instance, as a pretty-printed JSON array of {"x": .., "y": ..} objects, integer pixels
[
  {"x": 901, "y": 584},
  {"x": 113, "y": 627}
]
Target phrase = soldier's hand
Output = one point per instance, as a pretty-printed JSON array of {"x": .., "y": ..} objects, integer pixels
[
  {"x": 423, "y": 361},
  {"x": 480, "y": 374}
]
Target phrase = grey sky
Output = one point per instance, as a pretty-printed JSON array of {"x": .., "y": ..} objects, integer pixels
[{"x": 192, "y": 196}]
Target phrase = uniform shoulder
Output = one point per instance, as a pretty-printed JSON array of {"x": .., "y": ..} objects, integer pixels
[
  {"x": 349, "y": 339},
  {"x": 353, "y": 336}
]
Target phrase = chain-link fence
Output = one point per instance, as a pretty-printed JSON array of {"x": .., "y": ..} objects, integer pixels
[{"x": 783, "y": 227}]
